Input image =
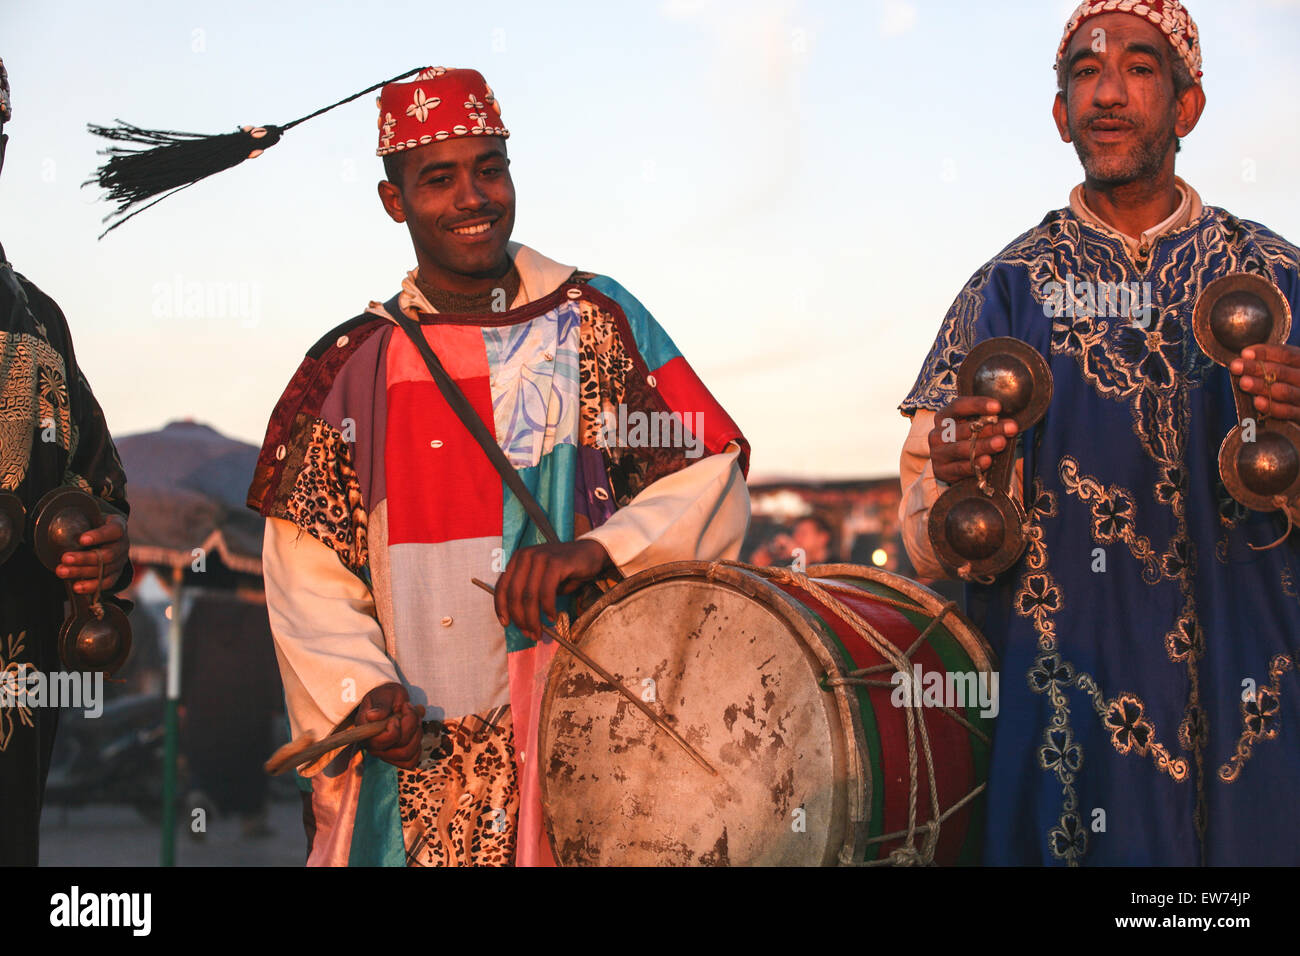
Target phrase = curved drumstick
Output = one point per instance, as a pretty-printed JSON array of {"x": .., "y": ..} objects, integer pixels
[
  {"x": 307, "y": 748},
  {"x": 618, "y": 686}
]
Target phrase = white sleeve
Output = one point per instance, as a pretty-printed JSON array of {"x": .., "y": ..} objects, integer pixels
[
  {"x": 700, "y": 513},
  {"x": 327, "y": 639},
  {"x": 921, "y": 490}
]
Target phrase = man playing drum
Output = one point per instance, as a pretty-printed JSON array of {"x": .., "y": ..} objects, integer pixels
[
  {"x": 381, "y": 507},
  {"x": 1148, "y": 635}
]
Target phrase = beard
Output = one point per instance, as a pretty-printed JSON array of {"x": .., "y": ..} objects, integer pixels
[{"x": 1143, "y": 160}]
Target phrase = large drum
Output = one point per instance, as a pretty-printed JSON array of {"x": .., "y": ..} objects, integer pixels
[{"x": 823, "y": 755}]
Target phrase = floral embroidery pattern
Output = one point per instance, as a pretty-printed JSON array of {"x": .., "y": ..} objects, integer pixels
[
  {"x": 1114, "y": 517},
  {"x": 1186, "y": 642},
  {"x": 1261, "y": 718},
  {"x": 1060, "y": 754},
  {"x": 13, "y": 677},
  {"x": 1114, "y": 520},
  {"x": 1039, "y": 597},
  {"x": 1147, "y": 368},
  {"x": 1171, "y": 489},
  {"x": 33, "y": 397},
  {"x": 1194, "y": 731},
  {"x": 1050, "y": 675},
  {"x": 1130, "y": 731},
  {"x": 1068, "y": 840}
]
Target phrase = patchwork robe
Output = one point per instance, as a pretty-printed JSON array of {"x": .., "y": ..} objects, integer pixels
[
  {"x": 382, "y": 507},
  {"x": 1149, "y": 700}
]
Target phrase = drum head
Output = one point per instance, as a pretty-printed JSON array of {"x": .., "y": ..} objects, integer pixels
[{"x": 736, "y": 667}]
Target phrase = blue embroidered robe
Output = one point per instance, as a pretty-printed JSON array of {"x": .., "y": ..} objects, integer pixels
[{"x": 1150, "y": 709}]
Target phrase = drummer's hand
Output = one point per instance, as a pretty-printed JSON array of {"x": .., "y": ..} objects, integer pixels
[
  {"x": 1282, "y": 362},
  {"x": 950, "y": 444},
  {"x": 108, "y": 541},
  {"x": 399, "y": 743},
  {"x": 536, "y": 575}
]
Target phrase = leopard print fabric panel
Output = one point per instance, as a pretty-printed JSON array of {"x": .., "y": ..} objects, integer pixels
[
  {"x": 604, "y": 367},
  {"x": 610, "y": 379},
  {"x": 325, "y": 500},
  {"x": 461, "y": 807}
]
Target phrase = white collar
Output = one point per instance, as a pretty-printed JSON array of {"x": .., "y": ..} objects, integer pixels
[
  {"x": 1188, "y": 211},
  {"x": 539, "y": 276}
]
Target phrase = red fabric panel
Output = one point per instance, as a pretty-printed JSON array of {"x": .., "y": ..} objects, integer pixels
[
  {"x": 442, "y": 493},
  {"x": 683, "y": 392},
  {"x": 949, "y": 741}
]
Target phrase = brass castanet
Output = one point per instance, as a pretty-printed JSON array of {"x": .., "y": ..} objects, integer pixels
[
  {"x": 976, "y": 527},
  {"x": 1233, "y": 313},
  {"x": 96, "y": 636}
]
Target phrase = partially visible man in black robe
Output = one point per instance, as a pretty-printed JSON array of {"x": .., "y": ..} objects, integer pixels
[{"x": 52, "y": 433}]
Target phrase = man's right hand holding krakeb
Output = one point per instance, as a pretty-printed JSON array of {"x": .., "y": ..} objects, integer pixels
[{"x": 952, "y": 446}]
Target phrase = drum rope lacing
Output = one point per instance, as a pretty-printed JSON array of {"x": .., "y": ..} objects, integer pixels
[{"x": 909, "y": 854}]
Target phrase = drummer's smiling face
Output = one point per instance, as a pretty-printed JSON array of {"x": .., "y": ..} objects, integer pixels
[
  {"x": 458, "y": 202},
  {"x": 1120, "y": 106}
]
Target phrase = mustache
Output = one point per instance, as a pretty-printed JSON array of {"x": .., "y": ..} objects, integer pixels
[
  {"x": 1087, "y": 122},
  {"x": 487, "y": 212}
]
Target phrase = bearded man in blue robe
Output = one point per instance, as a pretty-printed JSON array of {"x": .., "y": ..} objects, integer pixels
[{"x": 1150, "y": 709}]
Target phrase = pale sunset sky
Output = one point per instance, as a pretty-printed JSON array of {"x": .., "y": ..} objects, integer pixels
[{"x": 797, "y": 190}]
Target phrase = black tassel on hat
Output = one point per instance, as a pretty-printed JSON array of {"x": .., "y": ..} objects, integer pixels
[{"x": 173, "y": 161}]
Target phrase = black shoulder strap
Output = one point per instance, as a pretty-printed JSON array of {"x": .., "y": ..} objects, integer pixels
[{"x": 469, "y": 418}]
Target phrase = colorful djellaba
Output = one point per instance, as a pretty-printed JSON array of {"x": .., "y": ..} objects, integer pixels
[
  {"x": 52, "y": 433},
  {"x": 1146, "y": 703},
  {"x": 382, "y": 508}
]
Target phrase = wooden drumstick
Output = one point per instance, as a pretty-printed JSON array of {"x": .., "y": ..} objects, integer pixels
[
  {"x": 636, "y": 701},
  {"x": 307, "y": 748}
]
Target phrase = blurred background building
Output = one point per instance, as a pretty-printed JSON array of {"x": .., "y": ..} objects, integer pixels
[{"x": 853, "y": 521}]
